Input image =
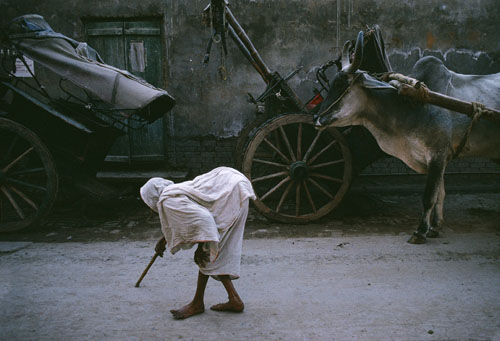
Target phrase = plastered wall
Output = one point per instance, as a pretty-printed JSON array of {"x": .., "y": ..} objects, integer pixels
[{"x": 289, "y": 34}]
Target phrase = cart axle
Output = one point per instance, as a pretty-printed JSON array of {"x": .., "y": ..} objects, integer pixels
[{"x": 298, "y": 170}]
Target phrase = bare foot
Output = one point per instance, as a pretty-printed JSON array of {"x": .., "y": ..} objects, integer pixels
[
  {"x": 236, "y": 306},
  {"x": 188, "y": 311}
]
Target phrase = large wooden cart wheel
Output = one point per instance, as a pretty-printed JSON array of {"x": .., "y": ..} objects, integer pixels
[
  {"x": 28, "y": 177},
  {"x": 299, "y": 174}
]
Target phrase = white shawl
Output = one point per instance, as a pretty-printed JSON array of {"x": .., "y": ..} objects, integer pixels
[{"x": 201, "y": 210}]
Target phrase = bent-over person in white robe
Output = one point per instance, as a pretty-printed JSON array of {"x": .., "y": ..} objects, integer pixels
[{"x": 210, "y": 211}]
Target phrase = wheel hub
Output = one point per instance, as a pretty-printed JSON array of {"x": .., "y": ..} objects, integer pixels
[{"x": 298, "y": 170}]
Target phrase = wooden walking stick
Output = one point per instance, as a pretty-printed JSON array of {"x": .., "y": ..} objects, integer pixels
[
  {"x": 147, "y": 269},
  {"x": 159, "y": 249}
]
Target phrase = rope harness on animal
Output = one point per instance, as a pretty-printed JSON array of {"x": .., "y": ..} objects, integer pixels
[
  {"x": 478, "y": 110},
  {"x": 330, "y": 107}
]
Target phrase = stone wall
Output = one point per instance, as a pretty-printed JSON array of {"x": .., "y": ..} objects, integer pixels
[{"x": 210, "y": 112}]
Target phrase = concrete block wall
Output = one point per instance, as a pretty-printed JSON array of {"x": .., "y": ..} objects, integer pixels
[
  {"x": 393, "y": 166},
  {"x": 201, "y": 154},
  {"x": 210, "y": 113}
]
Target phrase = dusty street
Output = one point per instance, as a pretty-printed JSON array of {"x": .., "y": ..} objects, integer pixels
[{"x": 349, "y": 277}]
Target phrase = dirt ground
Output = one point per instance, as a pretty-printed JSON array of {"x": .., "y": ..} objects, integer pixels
[
  {"x": 361, "y": 212},
  {"x": 350, "y": 276}
]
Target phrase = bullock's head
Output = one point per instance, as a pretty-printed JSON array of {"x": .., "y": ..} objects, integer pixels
[
  {"x": 349, "y": 96},
  {"x": 344, "y": 98}
]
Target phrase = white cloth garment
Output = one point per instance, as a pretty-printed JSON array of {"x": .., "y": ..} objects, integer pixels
[{"x": 212, "y": 208}]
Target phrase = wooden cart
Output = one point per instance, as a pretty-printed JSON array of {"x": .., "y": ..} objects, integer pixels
[
  {"x": 299, "y": 174},
  {"x": 44, "y": 138}
]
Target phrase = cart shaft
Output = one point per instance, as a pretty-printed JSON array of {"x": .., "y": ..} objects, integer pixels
[
  {"x": 447, "y": 102},
  {"x": 251, "y": 51}
]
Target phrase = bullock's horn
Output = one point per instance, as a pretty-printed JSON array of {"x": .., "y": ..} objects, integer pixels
[
  {"x": 345, "y": 53},
  {"x": 358, "y": 55}
]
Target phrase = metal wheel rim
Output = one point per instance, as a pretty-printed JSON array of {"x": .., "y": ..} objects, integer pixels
[{"x": 314, "y": 158}]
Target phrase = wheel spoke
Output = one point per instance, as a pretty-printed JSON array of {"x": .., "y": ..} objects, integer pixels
[
  {"x": 272, "y": 190},
  {"x": 274, "y": 138},
  {"x": 318, "y": 186},
  {"x": 287, "y": 143},
  {"x": 347, "y": 131},
  {"x": 9, "y": 150},
  {"x": 26, "y": 184},
  {"x": 24, "y": 197},
  {"x": 29, "y": 178},
  {"x": 297, "y": 200},
  {"x": 283, "y": 196},
  {"x": 326, "y": 164},
  {"x": 321, "y": 152},
  {"x": 287, "y": 160},
  {"x": 270, "y": 176},
  {"x": 326, "y": 177},
  {"x": 12, "y": 202},
  {"x": 299, "y": 142},
  {"x": 264, "y": 154},
  {"x": 265, "y": 162},
  {"x": 20, "y": 157},
  {"x": 28, "y": 171},
  {"x": 313, "y": 144},
  {"x": 309, "y": 197}
]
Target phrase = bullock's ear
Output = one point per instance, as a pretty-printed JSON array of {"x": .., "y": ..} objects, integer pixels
[{"x": 371, "y": 82}]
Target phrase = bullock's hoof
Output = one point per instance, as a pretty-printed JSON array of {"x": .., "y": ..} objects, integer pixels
[
  {"x": 432, "y": 234},
  {"x": 417, "y": 239}
]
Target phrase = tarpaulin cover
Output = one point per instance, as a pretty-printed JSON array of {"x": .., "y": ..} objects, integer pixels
[{"x": 81, "y": 64}]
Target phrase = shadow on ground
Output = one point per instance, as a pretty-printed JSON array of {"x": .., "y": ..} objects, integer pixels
[{"x": 85, "y": 220}]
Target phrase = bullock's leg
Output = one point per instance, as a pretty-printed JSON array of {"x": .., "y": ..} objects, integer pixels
[
  {"x": 437, "y": 218},
  {"x": 431, "y": 194}
]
